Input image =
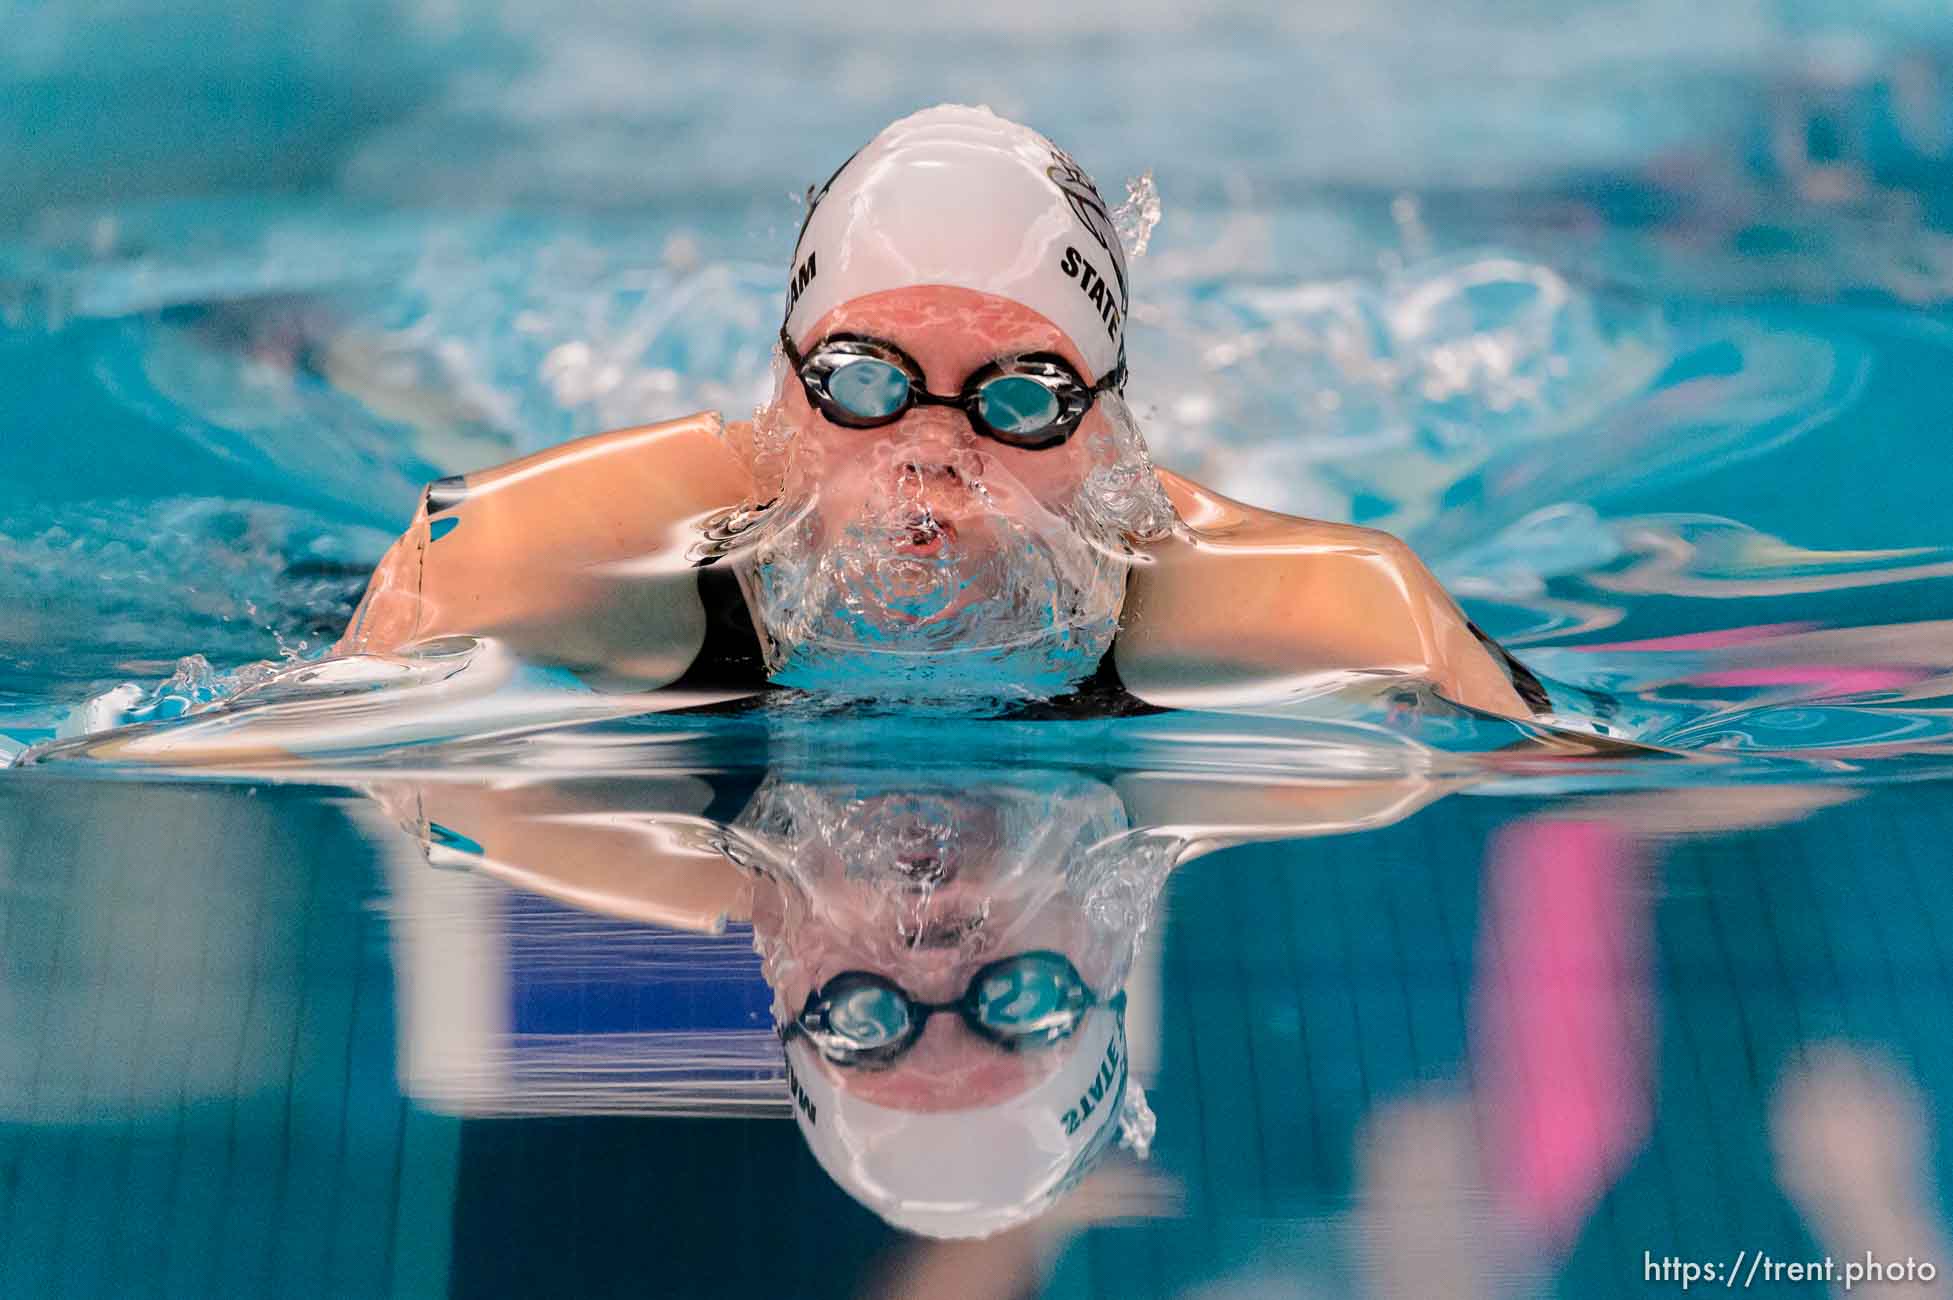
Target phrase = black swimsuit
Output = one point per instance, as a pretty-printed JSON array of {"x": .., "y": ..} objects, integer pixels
[
  {"x": 1530, "y": 689},
  {"x": 731, "y": 658}
]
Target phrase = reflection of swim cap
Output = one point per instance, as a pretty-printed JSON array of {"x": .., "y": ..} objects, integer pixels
[
  {"x": 959, "y": 196},
  {"x": 968, "y": 1173}
]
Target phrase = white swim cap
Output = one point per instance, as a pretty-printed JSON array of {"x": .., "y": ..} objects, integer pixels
[
  {"x": 968, "y": 1173},
  {"x": 959, "y": 196}
]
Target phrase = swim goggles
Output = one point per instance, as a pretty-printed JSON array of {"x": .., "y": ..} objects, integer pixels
[
  {"x": 864, "y": 1020},
  {"x": 1031, "y": 401}
]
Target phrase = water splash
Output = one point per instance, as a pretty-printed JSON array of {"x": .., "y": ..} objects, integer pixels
[
  {"x": 1370, "y": 399},
  {"x": 100, "y": 590},
  {"x": 1137, "y": 214}
]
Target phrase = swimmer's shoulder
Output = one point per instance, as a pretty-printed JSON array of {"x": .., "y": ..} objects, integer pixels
[
  {"x": 576, "y": 555},
  {"x": 1220, "y": 524},
  {"x": 642, "y": 850},
  {"x": 620, "y": 478},
  {"x": 1242, "y": 595}
]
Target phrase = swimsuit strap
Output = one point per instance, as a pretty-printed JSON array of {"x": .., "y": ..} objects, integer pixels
[{"x": 1524, "y": 680}]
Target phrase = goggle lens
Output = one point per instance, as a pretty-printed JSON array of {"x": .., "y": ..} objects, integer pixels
[
  {"x": 1034, "y": 994},
  {"x": 869, "y": 389},
  {"x": 864, "y": 1014},
  {"x": 1017, "y": 404}
]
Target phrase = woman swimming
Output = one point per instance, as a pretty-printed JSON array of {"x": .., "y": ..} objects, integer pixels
[{"x": 947, "y": 495}]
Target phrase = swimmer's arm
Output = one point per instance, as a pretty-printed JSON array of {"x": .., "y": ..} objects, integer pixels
[
  {"x": 1462, "y": 666},
  {"x": 1206, "y": 814},
  {"x": 389, "y": 611},
  {"x": 1249, "y": 595},
  {"x": 574, "y": 555},
  {"x": 637, "y": 850}
]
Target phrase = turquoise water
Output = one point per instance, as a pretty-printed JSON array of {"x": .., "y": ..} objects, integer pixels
[{"x": 1631, "y": 318}]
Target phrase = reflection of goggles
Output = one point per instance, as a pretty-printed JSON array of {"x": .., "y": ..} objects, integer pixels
[
  {"x": 1031, "y": 401},
  {"x": 864, "y": 1020}
]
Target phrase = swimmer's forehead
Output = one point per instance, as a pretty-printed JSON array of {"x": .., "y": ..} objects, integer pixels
[{"x": 950, "y": 331}]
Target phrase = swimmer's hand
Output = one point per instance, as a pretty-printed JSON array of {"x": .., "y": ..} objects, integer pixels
[{"x": 1245, "y": 606}]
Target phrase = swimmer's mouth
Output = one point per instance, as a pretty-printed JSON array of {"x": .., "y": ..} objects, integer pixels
[
  {"x": 943, "y": 495},
  {"x": 925, "y": 870},
  {"x": 928, "y": 537}
]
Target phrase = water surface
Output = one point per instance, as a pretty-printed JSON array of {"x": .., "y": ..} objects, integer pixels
[{"x": 1631, "y": 318}]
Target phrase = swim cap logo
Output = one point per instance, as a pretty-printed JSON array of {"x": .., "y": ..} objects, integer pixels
[
  {"x": 814, "y": 195},
  {"x": 800, "y": 1097},
  {"x": 1112, "y": 1070},
  {"x": 1091, "y": 212},
  {"x": 798, "y": 281},
  {"x": 1095, "y": 287},
  {"x": 799, "y": 276}
]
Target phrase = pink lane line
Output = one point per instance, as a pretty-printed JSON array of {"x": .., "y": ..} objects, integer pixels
[
  {"x": 1707, "y": 640},
  {"x": 1840, "y": 680},
  {"x": 1562, "y": 1014}
]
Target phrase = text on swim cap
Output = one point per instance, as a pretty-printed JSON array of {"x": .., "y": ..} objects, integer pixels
[
  {"x": 1112, "y": 1069},
  {"x": 1094, "y": 287},
  {"x": 797, "y": 282},
  {"x": 800, "y": 1097},
  {"x": 1090, "y": 209}
]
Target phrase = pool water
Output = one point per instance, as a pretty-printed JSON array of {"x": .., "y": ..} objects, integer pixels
[{"x": 1631, "y": 318}]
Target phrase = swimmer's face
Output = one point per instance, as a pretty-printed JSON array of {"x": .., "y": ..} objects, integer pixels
[
  {"x": 891, "y": 550},
  {"x": 925, "y": 888}
]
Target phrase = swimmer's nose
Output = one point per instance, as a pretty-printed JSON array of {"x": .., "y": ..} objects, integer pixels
[
  {"x": 947, "y": 485},
  {"x": 946, "y": 935},
  {"x": 935, "y": 474}
]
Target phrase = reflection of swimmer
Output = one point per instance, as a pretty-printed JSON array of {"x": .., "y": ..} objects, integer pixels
[
  {"x": 946, "y": 967},
  {"x": 947, "y": 953},
  {"x": 947, "y": 496}
]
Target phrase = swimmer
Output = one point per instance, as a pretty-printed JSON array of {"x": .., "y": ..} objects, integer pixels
[
  {"x": 948, "y": 950},
  {"x": 946, "y": 496}
]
